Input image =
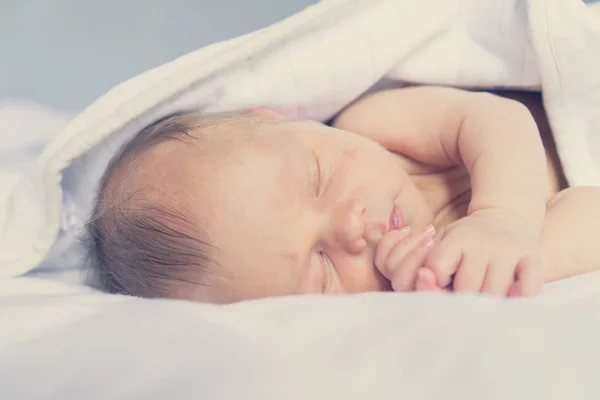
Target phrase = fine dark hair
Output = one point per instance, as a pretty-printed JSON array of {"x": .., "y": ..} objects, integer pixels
[{"x": 140, "y": 243}]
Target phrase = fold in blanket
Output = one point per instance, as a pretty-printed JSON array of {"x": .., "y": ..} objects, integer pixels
[{"x": 311, "y": 65}]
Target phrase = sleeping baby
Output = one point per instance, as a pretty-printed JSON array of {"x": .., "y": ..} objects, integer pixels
[{"x": 414, "y": 189}]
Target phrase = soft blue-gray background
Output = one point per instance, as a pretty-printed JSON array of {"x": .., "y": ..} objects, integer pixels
[{"x": 66, "y": 53}]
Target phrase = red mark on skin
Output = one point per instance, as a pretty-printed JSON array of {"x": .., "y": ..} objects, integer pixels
[{"x": 352, "y": 153}]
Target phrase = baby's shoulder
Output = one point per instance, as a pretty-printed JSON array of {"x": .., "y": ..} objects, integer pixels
[{"x": 406, "y": 122}]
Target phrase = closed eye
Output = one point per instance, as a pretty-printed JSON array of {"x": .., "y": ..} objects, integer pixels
[
  {"x": 317, "y": 176},
  {"x": 327, "y": 271}
]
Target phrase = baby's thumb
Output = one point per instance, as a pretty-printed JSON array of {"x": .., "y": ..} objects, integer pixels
[{"x": 426, "y": 281}]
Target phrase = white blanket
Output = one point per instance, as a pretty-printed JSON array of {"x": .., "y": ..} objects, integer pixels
[{"x": 76, "y": 343}]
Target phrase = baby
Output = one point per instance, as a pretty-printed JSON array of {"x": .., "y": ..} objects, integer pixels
[{"x": 419, "y": 188}]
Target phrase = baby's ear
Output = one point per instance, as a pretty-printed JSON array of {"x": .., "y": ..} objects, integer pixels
[{"x": 267, "y": 113}]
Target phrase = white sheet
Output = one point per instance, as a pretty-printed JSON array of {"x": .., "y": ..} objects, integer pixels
[
  {"x": 83, "y": 345},
  {"x": 66, "y": 341}
]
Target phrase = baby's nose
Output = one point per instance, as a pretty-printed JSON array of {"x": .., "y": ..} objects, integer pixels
[{"x": 350, "y": 226}]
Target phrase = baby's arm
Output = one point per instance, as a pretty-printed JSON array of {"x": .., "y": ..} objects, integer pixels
[{"x": 498, "y": 143}]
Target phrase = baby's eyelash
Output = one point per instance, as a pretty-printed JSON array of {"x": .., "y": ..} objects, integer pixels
[{"x": 327, "y": 271}]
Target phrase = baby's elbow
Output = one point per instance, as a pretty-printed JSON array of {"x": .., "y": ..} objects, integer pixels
[
  {"x": 503, "y": 111},
  {"x": 499, "y": 104}
]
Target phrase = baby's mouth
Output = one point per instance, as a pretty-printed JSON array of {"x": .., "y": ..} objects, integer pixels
[
  {"x": 378, "y": 230},
  {"x": 396, "y": 220}
]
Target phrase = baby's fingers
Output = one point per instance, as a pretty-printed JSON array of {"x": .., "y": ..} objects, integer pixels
[
  {"x": 443, "y": 260},
  {"x": 426, "y": 281},
  {"x": 386, "y": 245},
  {"x": 406, "y": 257},
  {"x": 528, "y": 279},
  {"x": 498, "y": 278},
  {"x": 471, "y": 273},
  {"x": 405, "y": 274}
]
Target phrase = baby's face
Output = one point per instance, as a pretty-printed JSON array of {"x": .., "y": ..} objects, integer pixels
[{"x": 299, "y": 207}]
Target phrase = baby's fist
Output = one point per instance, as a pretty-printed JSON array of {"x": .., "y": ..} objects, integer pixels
[
  {"x": 401, "y": 253},
  {"x": 489, "y": 254}
]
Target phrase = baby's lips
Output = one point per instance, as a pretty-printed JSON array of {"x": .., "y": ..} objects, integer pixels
[{"x": 396, "y": 219}]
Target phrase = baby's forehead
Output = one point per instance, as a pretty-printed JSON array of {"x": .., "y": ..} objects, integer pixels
[
  {"x": 207, "y": 169},
  {"x": 153, "y": 176},
  {"x": 158, "y": 162}
]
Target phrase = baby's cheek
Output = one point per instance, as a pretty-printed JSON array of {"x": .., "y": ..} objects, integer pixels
[
  {"x": 312, "y": 282},
  {"x": 360, "y": 275},
  {"x": 352, "y": 154}
]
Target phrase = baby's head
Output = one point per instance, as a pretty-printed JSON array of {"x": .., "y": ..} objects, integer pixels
[{"x": 228, "y": 207}]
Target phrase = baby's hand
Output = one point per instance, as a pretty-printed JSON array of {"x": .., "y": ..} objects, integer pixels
[
  {"x": 491, "y": 252},
  {"x": 427, "y": 281},
  {"x": 401, "y": 253}
]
